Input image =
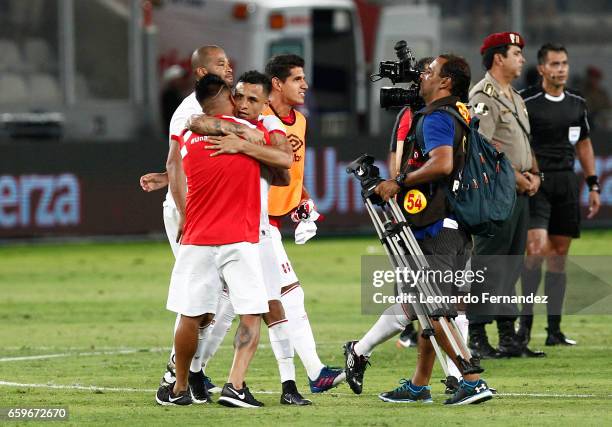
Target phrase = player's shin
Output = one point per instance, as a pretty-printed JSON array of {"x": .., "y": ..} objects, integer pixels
[
  {"x": 392, "y": 321},
  {"x": 462, "y": 324},
  {"x": 196, "y": 362},
  {"x": 245, "y": 346},
  {"x": 530, "y": 282},
  {"x": 300, "y": 331},
  {"x": 555, "y": 284},
  {"x": 185, "y": 342},
  {"x": 282, "y": 349},
  {"x": 222, "y": 324},
  {"x": 171, "y": 360}
]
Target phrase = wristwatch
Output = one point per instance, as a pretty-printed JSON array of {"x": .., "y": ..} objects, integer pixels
[
  {"x": 399, "y": 179},
  {"x": 593, "y": 183},
  {"x": 538, "y": 173}
]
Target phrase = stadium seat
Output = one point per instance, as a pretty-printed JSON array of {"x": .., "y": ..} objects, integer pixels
[
  {"x": 44, "y": 89},
  {"x": 10, "y": 59},
  {"x": 13, "y": 89},
  {"x": 38, "y": 55}
]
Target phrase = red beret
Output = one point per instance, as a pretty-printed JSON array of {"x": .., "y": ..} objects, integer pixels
[{"x": 501, "y": 39}]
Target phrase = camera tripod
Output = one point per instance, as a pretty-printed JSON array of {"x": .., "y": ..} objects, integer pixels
[{"x": 404, "y": 253}]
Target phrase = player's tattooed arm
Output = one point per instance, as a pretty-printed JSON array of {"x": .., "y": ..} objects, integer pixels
[
  {"x": 274, "y": 157},
  {"x": 206, "y": 125}
]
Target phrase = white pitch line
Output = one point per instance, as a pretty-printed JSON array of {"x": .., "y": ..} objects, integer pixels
[
  {"x": 331, "y": 392},
  {"x": 110, "y": 351},
  {"x": 75, "y": 387},
  {"x": 56, "y": 355},
  {"x": 568, "y": 396}
]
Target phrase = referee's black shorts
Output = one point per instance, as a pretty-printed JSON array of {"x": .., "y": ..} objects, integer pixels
[{"x": 556, "y": 206}]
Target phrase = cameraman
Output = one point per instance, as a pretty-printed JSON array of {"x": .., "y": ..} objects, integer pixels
[
  {"x": 403, "y": 121},
  {"x": 445, "y": 81}
]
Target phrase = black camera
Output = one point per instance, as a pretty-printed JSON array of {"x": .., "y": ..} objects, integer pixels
[
  {"x": 402, "y": 71},
  {"x": 369, "y": 175},
  {"x": 398, "y": 97}
]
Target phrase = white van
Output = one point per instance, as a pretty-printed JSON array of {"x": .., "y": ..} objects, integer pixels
[{"x": 326, "y": 33}]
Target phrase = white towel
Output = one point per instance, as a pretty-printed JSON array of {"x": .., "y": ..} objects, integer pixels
[{"x": 305, "y": 231}]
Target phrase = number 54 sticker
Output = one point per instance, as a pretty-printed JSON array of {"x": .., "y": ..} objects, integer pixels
[{"x": 414, "y": 201}]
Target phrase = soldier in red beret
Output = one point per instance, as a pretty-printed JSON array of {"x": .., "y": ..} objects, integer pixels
[{"x": 504, "y": 122}]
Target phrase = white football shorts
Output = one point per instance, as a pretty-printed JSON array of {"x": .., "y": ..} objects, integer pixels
[
  {"x": 283, "y": 265},
  {"x": 198, "y": 276},
  {"x": 171, "y": 218},
  {"x": 269, "y": 265}
]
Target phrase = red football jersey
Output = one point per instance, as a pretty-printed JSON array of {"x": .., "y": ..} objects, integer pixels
[{"x": 223, "y": 194}]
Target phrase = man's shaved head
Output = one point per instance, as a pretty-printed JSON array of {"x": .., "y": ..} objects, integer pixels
[
  {"x": 211, "y": 59},
  {"x": 201, "y": 57}
]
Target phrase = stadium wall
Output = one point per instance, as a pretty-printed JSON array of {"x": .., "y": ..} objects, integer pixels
[{"x": 87, "y": 188}]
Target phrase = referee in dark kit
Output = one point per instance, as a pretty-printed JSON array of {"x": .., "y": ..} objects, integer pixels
[{"x": 560, "y": 132}]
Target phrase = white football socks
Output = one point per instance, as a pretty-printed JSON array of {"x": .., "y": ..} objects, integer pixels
[
  {"x": 221, "y": 326},
  {"x": 462, "y": 323},
  {"x": 283, "y": 350},
  {"x": 392, "y": 321},
  {"x": 300, "y": 332},
  {"x": 211, "y": 336},
  {"x": 196, "y": 362},
  {"x": 173, "y": 351}
]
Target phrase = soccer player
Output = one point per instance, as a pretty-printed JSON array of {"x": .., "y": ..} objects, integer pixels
[
  {"x": 288, "y": 91},
  {"x": 205, "y": 60},
  {"x": 251, "y": 94},
  {"x": 289, "y": 88},
  {"x": 219, "y": 241},
  {"x": 560, "y": 133},
  {"x": 251, "y": 97}
]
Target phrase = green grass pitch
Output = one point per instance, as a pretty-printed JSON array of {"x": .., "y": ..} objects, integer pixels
[{"x": 95, "y": 313}]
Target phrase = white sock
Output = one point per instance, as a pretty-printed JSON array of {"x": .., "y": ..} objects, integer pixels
[
  {"x": 462, "y": 324},
  {"x": 173, "y": 351},
  {"x": 221, "y": 326},
  {"x": 300, "y": 332},
  {"x": 392, "y": 321},
  {"x": 283, "y": 350},
  {"x": 196, "y": 362}
]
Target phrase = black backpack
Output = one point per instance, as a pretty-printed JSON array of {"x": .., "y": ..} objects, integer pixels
[{"x": 482, "y": 187}]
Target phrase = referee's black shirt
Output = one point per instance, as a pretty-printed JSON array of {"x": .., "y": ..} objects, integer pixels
[{"x": 557, "y": 124}]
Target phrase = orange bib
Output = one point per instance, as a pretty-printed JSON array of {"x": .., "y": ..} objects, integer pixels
[{"x": 282, "y": 200}]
